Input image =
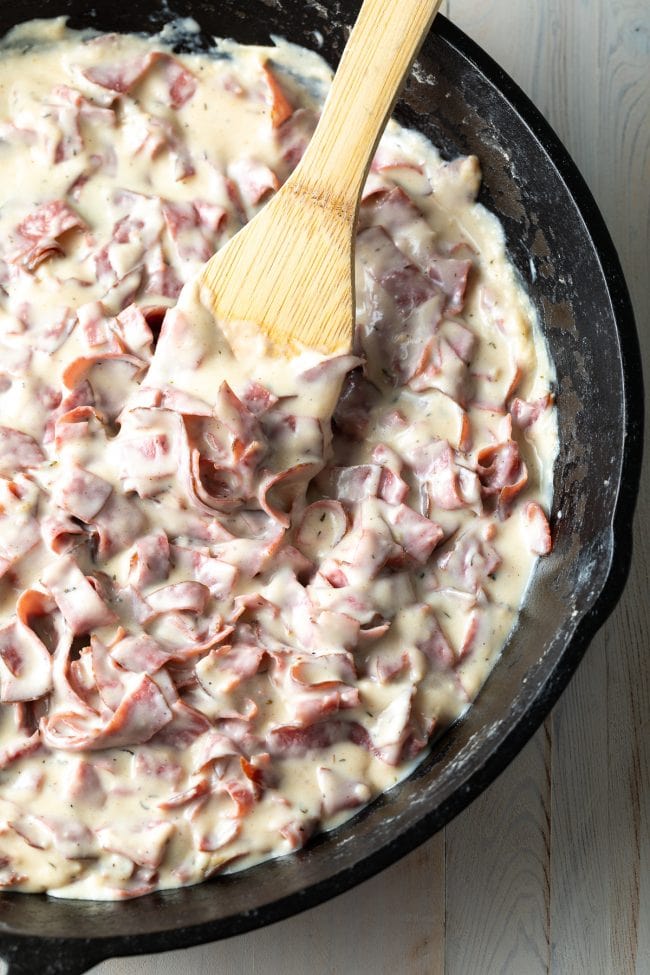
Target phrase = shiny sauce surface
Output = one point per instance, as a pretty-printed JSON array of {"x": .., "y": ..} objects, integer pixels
[{"x": 238, "y": 594}]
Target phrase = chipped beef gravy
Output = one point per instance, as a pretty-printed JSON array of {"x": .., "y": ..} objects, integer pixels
[{"x": 228, "y": 620}]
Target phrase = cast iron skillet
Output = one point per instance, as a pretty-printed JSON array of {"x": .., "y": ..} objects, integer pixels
[{"x": 558, "y": 241}]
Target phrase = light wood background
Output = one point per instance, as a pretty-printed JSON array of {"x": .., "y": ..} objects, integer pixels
[{"x": 549, "y": 870}]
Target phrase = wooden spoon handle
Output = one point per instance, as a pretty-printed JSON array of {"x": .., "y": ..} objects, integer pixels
[{"x": 378, "y": 55}]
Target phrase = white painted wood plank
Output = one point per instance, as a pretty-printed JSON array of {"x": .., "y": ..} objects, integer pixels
[
  {"x": 394, "y": 923},
  {"x": 580, "y": 878},
  {"x": 497, "y": 859}
]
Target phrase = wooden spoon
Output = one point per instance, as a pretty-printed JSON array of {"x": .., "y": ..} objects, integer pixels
[{"x": 290, "y": 270}]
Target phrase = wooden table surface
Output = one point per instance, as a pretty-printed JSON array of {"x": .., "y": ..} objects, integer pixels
[{"x": 549, "y": 870}]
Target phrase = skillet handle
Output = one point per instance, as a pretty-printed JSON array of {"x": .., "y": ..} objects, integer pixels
[{"x": 35, "y": 956}]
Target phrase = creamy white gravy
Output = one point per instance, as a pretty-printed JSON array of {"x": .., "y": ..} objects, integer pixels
[{"x": 228, "y": 621}]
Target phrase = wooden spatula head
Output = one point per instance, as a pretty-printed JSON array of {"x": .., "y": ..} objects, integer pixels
[{"x": 290, "y": 270}]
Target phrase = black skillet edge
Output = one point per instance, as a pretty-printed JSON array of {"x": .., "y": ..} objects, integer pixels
[{"x": 68, "y": 956}]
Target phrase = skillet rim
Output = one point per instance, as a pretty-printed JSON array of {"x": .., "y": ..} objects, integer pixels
[{"x": 23, "y": 952}]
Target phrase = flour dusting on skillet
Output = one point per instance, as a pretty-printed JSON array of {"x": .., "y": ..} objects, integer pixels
[{"x": 228, "y": 620}]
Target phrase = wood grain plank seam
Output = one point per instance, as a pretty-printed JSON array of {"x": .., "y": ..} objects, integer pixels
[
  {"x": 547, "y": 806},
  {"x": 635, "y": 799},
  {"x": 444, "y": 860}
]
